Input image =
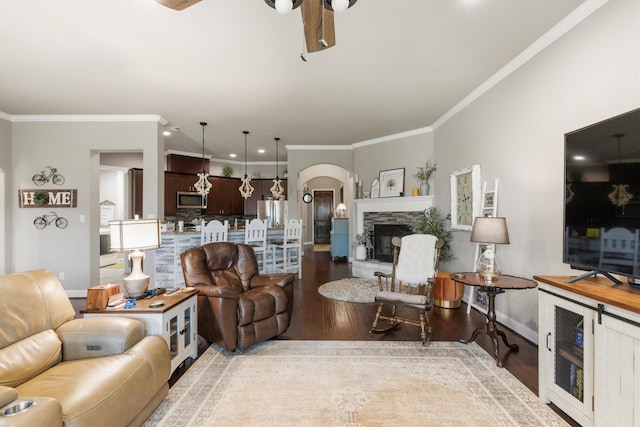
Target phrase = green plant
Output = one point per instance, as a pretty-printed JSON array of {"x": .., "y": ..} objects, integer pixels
[
  {"x": 425, "y": 172},
  {"x": 227, "y": 170},
  {"x": 364, "y": 239},
  {"x": 40, "y": 198},
  {"x": 435, "y": 223}
]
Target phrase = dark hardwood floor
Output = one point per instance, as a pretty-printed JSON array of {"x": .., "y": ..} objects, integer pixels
[{"x": 318, "y": 318}]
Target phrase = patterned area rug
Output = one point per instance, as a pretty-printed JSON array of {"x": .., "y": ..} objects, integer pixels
[
  {"x": 355, "y": 289},
  {"x": 351, "y": 383}
]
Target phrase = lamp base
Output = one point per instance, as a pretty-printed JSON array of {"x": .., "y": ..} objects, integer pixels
[
  {"x": 487, "y": 266},
  {"x": 137, "y": 282},
  {"x": 136, "y": 288}
]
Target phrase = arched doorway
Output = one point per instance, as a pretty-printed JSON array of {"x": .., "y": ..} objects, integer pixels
[{"x": 315, "y": 180}]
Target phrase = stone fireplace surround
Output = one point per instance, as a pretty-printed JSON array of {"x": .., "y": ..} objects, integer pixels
[{"x": 390, "y": 210}]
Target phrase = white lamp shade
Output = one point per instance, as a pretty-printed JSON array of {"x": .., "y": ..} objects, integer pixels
[
  {"x": 131, "y": 234},
  {"x": 284, "y": 6}
]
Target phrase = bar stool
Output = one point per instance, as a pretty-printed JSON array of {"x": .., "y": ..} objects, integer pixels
[
  {"x": 287, "y": 256},
  {"x": 255, "y": 235},
  {"x": 214, "y": 231}
]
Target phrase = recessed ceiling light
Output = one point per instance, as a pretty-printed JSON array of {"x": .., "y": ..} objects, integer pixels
[
  {"x": 166, "y": 133},
  {"x": 233, "y": 155},
  {"x": 578, "y": 157},
  {"x": 261, "y": 151}
]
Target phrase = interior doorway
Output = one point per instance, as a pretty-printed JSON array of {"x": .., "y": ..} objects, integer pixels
[{"x": 322, "y": 210}]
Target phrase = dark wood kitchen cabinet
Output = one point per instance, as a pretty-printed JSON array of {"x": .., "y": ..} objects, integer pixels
[
  {"x": 136, "y": 192},
  {"x": 261, "y": 187},
  {"x": 173, "y": 183},
  {"x": 225, "y": 198}
]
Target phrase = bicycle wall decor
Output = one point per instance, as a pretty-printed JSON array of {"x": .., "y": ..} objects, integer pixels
[
  {"x": 49, "y": 173},
  {"x": 46, "y": 219}
]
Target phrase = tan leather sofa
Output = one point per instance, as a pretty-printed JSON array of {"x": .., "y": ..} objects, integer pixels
[
  {"x": 79, "y": 372},
  {"x": 237, "y": 306}
]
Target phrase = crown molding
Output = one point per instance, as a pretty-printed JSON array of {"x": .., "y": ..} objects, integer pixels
[
  {"x": 393, "y": 137},
  {"x": 216, "y": 159},
  {"x": 90, "y": 118},
  {"x": 319, "y": 147}
]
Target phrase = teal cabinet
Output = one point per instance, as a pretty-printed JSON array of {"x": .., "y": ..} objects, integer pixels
[{"x": 339, "y": 237}]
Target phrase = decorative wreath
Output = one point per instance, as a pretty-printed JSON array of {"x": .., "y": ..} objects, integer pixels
[{"x": 40, "y": 198}]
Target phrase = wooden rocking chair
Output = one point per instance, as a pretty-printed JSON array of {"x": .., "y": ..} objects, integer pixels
[{"x": 408, "y": 288}]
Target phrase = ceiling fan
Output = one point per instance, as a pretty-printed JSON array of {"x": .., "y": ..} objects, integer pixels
[{"x": 317, "y": 17}]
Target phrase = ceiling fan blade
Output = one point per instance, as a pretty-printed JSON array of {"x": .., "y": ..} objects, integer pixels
[
  {"x": 177, "y": 4},
  {"x": 318, "y": 26}
]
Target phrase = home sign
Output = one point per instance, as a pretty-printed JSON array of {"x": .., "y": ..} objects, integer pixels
[{"x": 42, "y": 198}]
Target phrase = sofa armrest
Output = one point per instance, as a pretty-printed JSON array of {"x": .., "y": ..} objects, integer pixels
[
  {"x": 155, "y": 351},
  {"x": 217, "y": 292},
  {"x": 41, "y": 411},
  {"x": 98, "y": 336},
  {"x": 7, "y": 395},
  {"x": 279, "y": 279}
]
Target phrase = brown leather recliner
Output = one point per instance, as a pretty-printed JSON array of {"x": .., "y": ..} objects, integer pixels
[{"x": 237, "y": 306}]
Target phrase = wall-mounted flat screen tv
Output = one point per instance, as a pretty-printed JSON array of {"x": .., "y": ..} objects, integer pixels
[{"x": 602, "y": 198}]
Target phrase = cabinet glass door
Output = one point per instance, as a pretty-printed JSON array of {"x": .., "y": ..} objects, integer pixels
[
  {"x": 173, "y": 336},
  {"x": 187, "y": 327},
  {"x": 572, "y": 358},
  {"x": 569, "y": 357}
]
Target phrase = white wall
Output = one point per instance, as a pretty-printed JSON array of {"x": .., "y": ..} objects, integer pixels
[
  {"x": 516, "y": 133},
  {"x": 73, "y": 147},
  {"x": 396, "y": 151},
  {"x": 6, "y": 193}
]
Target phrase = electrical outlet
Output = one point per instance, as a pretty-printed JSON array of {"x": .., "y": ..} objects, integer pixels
[
  {"x": 61, "y": 275},
  {"x": 82, "y": 218}
]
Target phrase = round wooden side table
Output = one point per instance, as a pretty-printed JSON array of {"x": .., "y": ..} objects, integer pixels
[{"x": 497, "y": 286}]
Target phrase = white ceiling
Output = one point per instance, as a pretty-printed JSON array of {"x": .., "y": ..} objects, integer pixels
[{"x": 398, "y": 65}]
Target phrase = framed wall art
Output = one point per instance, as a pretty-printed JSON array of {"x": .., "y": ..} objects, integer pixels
[
  {"x": 465, "y": 197},
  {"x": 392, "y": 182},
  {"x": 375, "y": 188}
]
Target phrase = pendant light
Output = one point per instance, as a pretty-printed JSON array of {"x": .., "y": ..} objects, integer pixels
[
  {"x": 276, "y": 189},
  {"x": 203, "y": 185},
  {"x": 620, "y": 196},
  {"x": 246, "y": 189}
]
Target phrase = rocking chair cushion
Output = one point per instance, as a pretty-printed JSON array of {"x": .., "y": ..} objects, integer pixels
[
  {"x": 397, "y": 297},
  {"x": 412, "y": 268}
]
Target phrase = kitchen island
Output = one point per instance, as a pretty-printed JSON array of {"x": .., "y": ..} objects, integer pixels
[{"x": 168, "y": 265}]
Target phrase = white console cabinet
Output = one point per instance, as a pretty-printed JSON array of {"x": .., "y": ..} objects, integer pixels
[
  {"x": 176, "y": 322},
  {"x": 589, "y": 350}
]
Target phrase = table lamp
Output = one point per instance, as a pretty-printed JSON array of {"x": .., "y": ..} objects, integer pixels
[
  {"x": 489, "y": 231},
  {"x": 134, "y": 236}
]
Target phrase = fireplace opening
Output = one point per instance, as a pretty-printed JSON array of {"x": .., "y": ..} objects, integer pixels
[{"x": 382, "y": 235}]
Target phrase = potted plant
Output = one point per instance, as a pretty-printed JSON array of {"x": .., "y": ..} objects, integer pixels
[
  {"x": 435, "y": 223},
  {"x": 363, "y": 245},
  {"x": 227, "y": 170},
  {"x": 424, "y": 174}
]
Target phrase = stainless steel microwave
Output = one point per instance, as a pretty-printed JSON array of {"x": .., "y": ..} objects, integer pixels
[{"x": 191, "y": 200}]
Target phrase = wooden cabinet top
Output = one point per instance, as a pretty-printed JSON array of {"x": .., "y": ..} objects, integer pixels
[{"x": 598, "y": 288}]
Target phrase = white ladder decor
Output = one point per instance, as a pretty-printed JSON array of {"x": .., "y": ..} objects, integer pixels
[{"x": 488, "y": 207}]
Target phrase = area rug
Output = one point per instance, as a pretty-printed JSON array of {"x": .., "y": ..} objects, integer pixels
[
  {"x": 355, "y": 289},
  {"x": 322, "y": 248},
  {"x": 350, "y": 383}
]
